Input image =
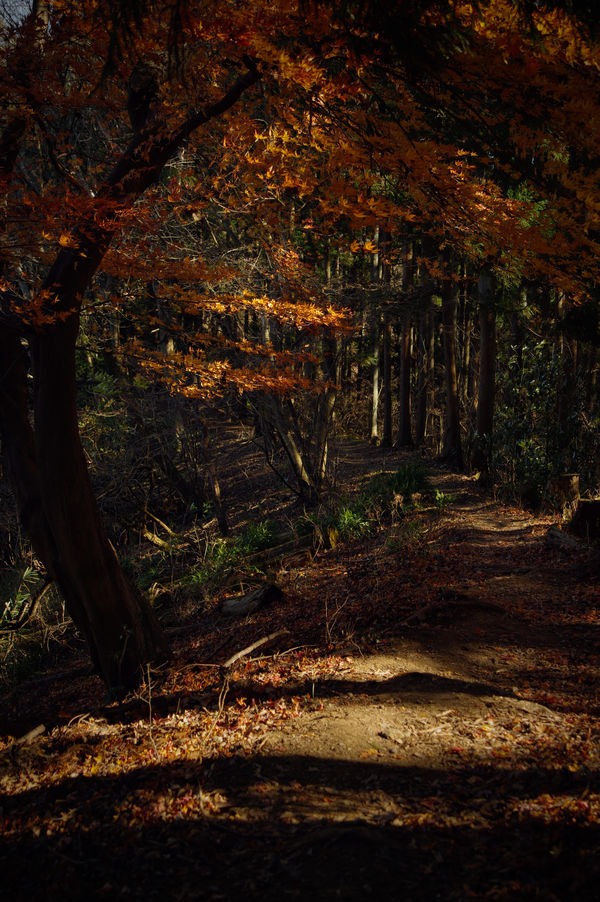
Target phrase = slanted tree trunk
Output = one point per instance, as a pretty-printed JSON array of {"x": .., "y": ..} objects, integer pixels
[
  {"x": 118, "y": 624},
  {"x": 278, "y": 421}
]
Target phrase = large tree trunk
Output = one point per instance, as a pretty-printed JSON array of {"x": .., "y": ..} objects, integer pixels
[
  {"x": 118, "y": 624},
  {"x": 19, "y": 451}
]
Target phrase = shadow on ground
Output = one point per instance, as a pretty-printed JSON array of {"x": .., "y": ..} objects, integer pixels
[{"x": 496, "y": 844}]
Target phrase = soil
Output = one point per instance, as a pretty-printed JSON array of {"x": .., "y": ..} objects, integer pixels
[{"x": 427, "y": 729}]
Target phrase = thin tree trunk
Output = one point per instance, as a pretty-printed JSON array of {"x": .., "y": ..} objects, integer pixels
[
  {"x": 387, "y": 381},
  {"x": 424, "y": 375},
  {"x": 375, "y": 373},
  {"x": 487, "y": 370},
  {"x": 325, "y": 411},
  {"x": 404, "y": 428},
  {"x": 465, "y": 374},
  {"x": 567, "y": 401},
  {"x": 452, "y": 449}
]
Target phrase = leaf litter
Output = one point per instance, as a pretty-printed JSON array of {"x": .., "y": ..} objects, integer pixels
[{"x": 429, "y": 727}]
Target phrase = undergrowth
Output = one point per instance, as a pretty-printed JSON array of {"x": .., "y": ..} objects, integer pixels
[
  {"x": 197, "y": 567},
  {"x": 221, "y": 556},
  {"x": 385, "y": 498},
  {"x": 32, "y": 647}
]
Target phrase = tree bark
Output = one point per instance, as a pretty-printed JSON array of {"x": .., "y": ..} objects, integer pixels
[
  {"x": 424, "y": 375},
  {"x": 487, "y": 370},
  {"x": 386, "y": 440},
  {"x": 375, "y": 374},
  {"x": 404, "y": 426},
  {"x": 18, "y": 446},
  {"x": 452, "y": 450}
]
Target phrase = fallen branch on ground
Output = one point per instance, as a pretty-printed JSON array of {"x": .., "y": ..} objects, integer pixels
[{"x": 250, "y": 648}]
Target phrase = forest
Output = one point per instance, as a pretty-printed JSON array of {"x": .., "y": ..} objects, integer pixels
[{"x": 300, "y": 433}]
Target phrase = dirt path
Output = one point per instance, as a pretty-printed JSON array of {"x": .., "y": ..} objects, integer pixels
[
  {"x": 436, "y": 736},
  {"x": 460, "y": 760},
  {"x": 436, "y": 688}
]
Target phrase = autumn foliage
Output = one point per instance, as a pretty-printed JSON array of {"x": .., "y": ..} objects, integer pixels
[{"x": 218, "y": 180}]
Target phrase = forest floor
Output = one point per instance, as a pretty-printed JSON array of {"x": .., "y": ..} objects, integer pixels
[{"x": 428, "y": 728}]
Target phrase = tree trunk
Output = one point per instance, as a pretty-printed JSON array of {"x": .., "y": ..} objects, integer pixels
[
  {"x": 117, "y": 623},
  {"x": 387, "y": 381},
  {"x": 375, "y": 373},
  {"x": 404, "y": 427},
  {"x": 424, "y": 374},
  {"x": 487, "y": 370},
  {"x": 567, "y": 395},
  {"x": 452, "y": 449},
  {"x": 325, "y": 410},
  {"x": 18, "y": 446}
]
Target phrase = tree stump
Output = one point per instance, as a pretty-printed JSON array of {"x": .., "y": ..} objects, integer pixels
[{"x": 562, "y": 493}]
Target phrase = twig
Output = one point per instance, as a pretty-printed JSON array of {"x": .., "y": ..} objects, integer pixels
[
  {"x": 166, "y": 528},
  {"x": 225, "y": 670},
  {"x": 24, "y": 740},
  {"x": 31, "y": 735},
  {"x": 149, "y": 679},
  {"x": 282, "y": 654},
  {"x": 250, "y": 648},
  {"x": 220, "y": 707}
]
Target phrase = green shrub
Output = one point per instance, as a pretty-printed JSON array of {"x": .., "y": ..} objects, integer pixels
[
  {"x": 256, "y": 537},
  {"x": 442, "y": 500},
  {"x": 351, "y": 523},
  {"x": 219, "y": 559},
  {"x": 222, "y": 556}
]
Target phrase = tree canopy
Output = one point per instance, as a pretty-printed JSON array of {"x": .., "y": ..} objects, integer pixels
[{"x": 203, "y": 168}]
